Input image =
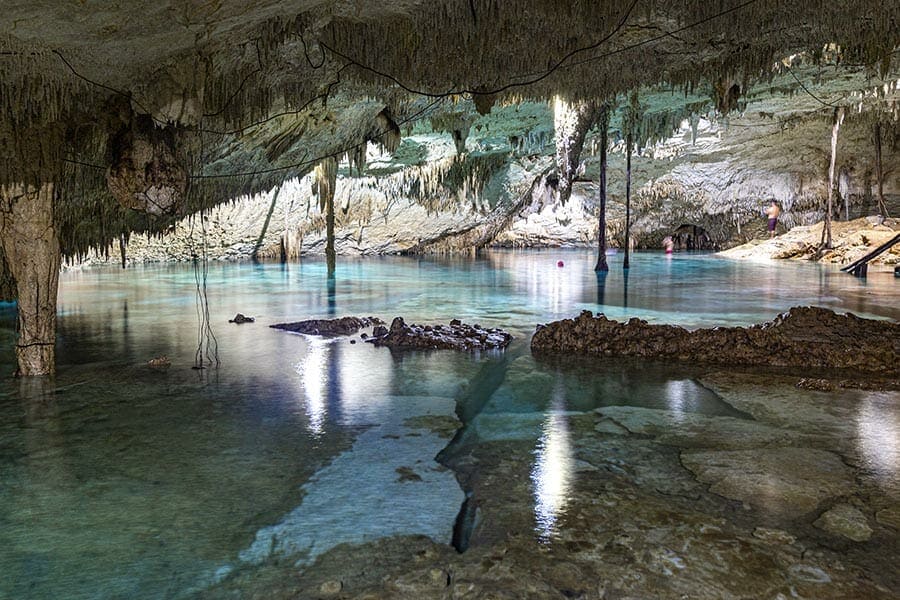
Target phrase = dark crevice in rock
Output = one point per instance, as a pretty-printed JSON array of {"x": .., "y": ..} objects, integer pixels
[
  {"x": 465, "y": 523},
  {"x": 468, "y": 405}
]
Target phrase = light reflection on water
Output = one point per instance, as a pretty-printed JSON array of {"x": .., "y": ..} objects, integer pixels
[
  {"x": 878, "y": 431},
  {"x": 680, "y": 397},
  {"x": 551, "y": 475},
  {"x": 313, "y": 370}
]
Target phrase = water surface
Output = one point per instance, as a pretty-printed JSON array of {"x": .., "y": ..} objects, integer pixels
[{"x": 118, "y": 480}]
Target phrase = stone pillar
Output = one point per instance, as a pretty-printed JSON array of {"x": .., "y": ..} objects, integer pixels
[
  {"x": 326, "y": 182},
  {"x": 601, "y": 228},
  {"x": 31, "y": 246},
  {"x": 571, "y": 122}
]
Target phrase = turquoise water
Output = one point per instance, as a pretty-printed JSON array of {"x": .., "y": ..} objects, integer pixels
[{"x": 121, "y": 481}]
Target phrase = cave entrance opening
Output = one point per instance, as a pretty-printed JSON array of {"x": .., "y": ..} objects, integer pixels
[{"x": 692, "y": 237}]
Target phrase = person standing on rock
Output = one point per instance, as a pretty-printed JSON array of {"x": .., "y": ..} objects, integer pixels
[{"x": 772, "y": 212}]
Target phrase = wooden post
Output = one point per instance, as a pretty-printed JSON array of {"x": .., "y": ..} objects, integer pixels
[{"x": 601, "y": 255}]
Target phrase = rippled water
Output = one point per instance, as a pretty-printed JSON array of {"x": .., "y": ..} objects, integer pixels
[{"x": 120, "y": 481}]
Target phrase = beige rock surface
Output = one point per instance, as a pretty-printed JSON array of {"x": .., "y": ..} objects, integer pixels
[
  {"x": 847, "y": 521},
  {"x": 851, "y": 240}
]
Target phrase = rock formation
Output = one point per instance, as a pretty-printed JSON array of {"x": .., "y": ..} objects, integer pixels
[
  {"x": 455, "y": 336},
  {"x": 802, "y": 338},
  {"x": 241, "y": 318},
  {"x": 851, "y": 240},
  {"x": 329, "y": 327}
]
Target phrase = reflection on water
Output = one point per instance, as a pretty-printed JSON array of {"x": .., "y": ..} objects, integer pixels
[
  {"x": 878, "y": 431},
  {"x": 551, "y": 475},
  {"x": 680, "y": 397},
  {"x": 313, "y": 370}
]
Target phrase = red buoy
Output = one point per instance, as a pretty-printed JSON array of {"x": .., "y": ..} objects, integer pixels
[{"x": 560, "y": 263}]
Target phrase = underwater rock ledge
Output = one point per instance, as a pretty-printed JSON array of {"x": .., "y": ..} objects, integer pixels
[
  {"x": 329, "y": 327},
  {"x": 805, "y": 336}
]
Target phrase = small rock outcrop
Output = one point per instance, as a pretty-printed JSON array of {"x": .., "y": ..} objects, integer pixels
[
  {"x": 329, "y": 327},
  {"x": 846, "y": 521},
  {"x": 160, "y": 362},
  {"x": 807, "y": 337},
  {"x": 241, "y": 318},
  {"x": 455, "y": 336}
]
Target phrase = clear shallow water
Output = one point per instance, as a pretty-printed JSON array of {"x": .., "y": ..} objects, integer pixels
[{"x": 120, "y": 481}]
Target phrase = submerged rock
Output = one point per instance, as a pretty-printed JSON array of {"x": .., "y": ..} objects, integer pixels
[
  {"x": 329, "y": 327},
  {"x": 455, "y": 336},
  {"x": 846, "y": 521},
  {"x": 160, "y": 362},
  {"x": 780, "y": 482},
  {"x": 803, "y": 337}
]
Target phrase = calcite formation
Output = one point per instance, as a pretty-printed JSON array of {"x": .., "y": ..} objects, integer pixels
[
  {"x": 148, "y": 171},
  {"x": 329, "y": 327},
  {"x": 455, "y": 336},
  {"x": 803, "y": 337}
]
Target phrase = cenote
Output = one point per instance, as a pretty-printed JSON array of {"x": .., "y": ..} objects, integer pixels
[{"x": 118, "y": 480}]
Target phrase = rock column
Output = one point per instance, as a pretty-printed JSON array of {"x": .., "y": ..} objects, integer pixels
[
  {"x": 571, "y": 122},
  {"x": 326, "y": 182},
  {"x": 601, "y": 228},
  {"x": 31, "y": 247}
]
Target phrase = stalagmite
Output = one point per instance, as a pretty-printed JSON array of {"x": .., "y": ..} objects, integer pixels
[
  {"x": 601, "y": 234},
  {"x": 571, "y": 123},
  {"x": 31, "y": 246},
  {"x": 826, "y": 231}
]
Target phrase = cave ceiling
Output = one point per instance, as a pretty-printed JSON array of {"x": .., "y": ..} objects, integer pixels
[{"x": 252, "y": 92}]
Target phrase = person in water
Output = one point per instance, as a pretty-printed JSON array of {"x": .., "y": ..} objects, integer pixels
[
  {"x": 669, "y": 244},
  {"x": 772, "y": 212}
]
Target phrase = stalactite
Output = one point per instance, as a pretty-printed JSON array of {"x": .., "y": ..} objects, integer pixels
[
  {"x": 601, "y": 233},
  {"x": 631, "y": 120},
  {"x": 836, "y": 125}
]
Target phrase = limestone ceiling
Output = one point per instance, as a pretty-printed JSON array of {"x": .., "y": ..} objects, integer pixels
[
  {"x": 270, "y": 51},
  {"x": 78, "y": 76}
]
